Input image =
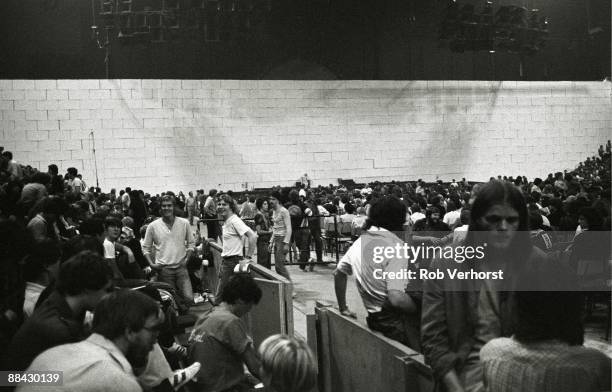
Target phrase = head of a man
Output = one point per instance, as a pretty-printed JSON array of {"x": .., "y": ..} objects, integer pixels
[
  {"x": 388, "y": 212},
  {"x": 275, "y": 199},
  {"x": 132, "y": 320},
  {"x": 112, "y": 227},
  {"x": 241, "y": 293},
  {"x": 85, "y": 277},
  {"x": 167, "y": 206},
  {"x": 287, "y": 364}
]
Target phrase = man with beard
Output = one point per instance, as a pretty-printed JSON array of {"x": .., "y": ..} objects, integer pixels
[{"x": 125, "y": 328}]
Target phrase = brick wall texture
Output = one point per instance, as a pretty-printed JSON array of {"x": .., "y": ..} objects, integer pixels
[{"x": 189, "y": 134}]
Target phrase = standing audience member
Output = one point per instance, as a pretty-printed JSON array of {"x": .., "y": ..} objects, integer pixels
[
  {"x": 281, "y": 234},
  {"x": 210, "y": 213},
  {"x": 264, "y": 232},
  {"x": 234, "y": 231},
  {"x": 171, "y": 239}
]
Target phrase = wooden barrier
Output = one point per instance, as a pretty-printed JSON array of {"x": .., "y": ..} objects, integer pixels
[
  {"x": 353, "y": 358},
  {"x": 274, "y": 313}
]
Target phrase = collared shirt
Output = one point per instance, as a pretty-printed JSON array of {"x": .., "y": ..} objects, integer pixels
[
  {"x": 233, "y": 231},
  {"x": 170, "y": 244},
  {"x": 95, "y": 364}
]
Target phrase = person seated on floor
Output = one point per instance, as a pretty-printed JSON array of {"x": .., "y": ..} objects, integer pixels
[
  {"x": 38, "y": 271},
  {"x": 546, "y": 352},
  {"x": 287, "y": 365},
  {"x": 221, "y": 343}
]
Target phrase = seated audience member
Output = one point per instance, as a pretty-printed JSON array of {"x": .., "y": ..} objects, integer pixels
[
  {"x": 390, "y": 309},
  {"x": 220, "y": 340},
  {"x": 112, "y": 231},
  {"x": 359, "y": 221},
  {"x": 539, "y": 237},
  {"x": 461, "y": 231},
  {"x": 451, "y": 218},
  {"x": 37, "y": 271},
  {"x": 44, "y": 224},
  {"x": 416, "y": 215},
  {"x": 125, "y": 328},
  {"x": 593, "y": 243},
  {"x": 83, "y": 281},
  {"x": 287, "y": 365},
  {"x": 349, "y": 214},
  {"x": 546, "y": 352},
  {"x": 460, "y": 316}
]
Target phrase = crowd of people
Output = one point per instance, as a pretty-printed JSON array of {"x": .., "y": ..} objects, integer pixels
[{"x": 70, "y": 251}]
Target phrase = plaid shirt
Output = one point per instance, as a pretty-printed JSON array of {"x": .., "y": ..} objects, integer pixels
[{"x": 549, "y": 366}]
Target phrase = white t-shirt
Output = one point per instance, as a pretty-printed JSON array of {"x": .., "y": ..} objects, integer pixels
[
  {"x": 451, "y": 217},
  {"x": 234, "y": 229},
  {"x": 109, "y": 249}
]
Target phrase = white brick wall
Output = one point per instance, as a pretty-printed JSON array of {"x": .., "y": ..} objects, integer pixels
[{"x": 166, "y": 134}]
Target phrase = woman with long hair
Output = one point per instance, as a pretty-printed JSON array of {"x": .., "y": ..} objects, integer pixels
[{"x": 460, "y": 316}]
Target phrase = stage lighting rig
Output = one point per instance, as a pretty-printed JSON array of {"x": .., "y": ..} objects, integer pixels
[{"x": 508, "y": 28}]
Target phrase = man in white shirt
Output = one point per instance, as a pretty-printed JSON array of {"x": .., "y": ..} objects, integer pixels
[
  {"x": 174, "y": 244},
  {"x": 451, "y": 218},
  {"x": 112, "y": 231}
]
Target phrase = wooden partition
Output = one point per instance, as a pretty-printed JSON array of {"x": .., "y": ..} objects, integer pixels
[
  {"x": 274, "y": 313},
  {"x": 352, "y": 358}
]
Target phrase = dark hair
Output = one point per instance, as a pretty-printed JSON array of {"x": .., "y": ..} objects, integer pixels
[
  {"x": 42, "y": 254},
  {"x": 546, "y": 315},
  {"x": 92, "y": 226},
  {"x": 7, "y": 154},
  {"x": 84, "y": 271},
  {"x": 53, "y": 205},
  {"x": 349, "y": 208},
  {"x": 230, "y": 201},
  {"x": 212, "y": 192},
  {"x": 41, "y": 178},
  {"x": 593, "y": 217},
  {"x": 241, "y": 287},
  {"x": 535, "y": 220},
  {"x": 259, "y": 202},
  {"x": 276, "y": 195},
  {"x": 72, "y": 171},
  {"x": 81, "y": 243},
  {"x": 387, "y": 212},
  {"x": 499, "y": 192},
  {"x": 123, "y": 309},
  {"x": 112, "y": 221}
]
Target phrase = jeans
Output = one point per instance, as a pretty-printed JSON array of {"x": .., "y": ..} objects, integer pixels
[
  {"x": 226, "y": 270},
  {"x": 264, "y": 257},
  {"x": 302, "y": 241},
  {"x": 279, "y": 257},
  {"x": 397, "y": 325},
  {"x": 178, "y": 278},
  {"x": 315, "y": 233}
]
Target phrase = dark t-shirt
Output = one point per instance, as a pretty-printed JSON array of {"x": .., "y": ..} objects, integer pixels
[
  {"x": 52, "y": 324},
  {"x": 218, "y": 341}
]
